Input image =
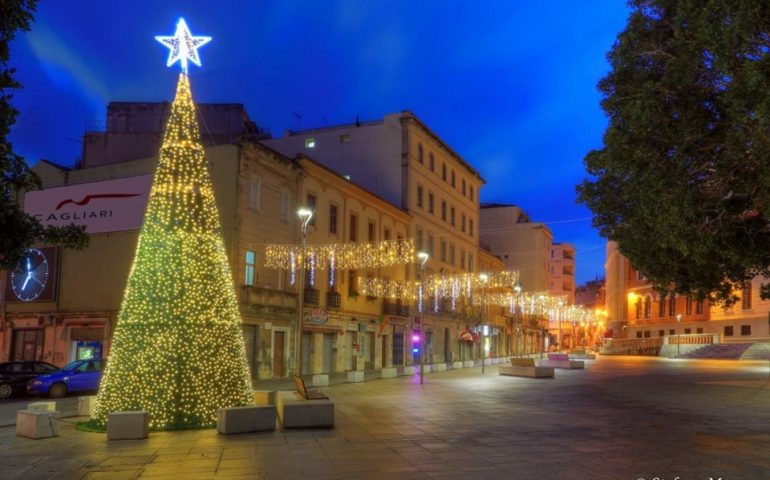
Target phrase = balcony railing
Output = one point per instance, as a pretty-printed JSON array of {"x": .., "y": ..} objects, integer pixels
[
  {"x": 390, "y": 308},
  {"x": 312, "y": 296},
  {"x": 333, "y": 300}
]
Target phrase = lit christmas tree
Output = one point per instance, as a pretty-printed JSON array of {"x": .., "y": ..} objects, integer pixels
[{"x": 178, "y": 349}]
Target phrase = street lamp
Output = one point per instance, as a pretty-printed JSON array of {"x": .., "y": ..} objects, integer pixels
[
  {"x": 561, "y": 304},
  {"x": 483, "y": 277},
  {"x": 517, "y": 313},
  {"x": 678, "y": 342},
  {"x": 423, "y": 257},
  {"x": 304, "y": 215}
]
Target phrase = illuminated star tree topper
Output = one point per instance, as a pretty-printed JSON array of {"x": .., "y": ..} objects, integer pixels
[{"x": 183, "y": 46}]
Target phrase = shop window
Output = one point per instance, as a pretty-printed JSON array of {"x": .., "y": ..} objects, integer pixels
[{"x": 250, "y": 265}]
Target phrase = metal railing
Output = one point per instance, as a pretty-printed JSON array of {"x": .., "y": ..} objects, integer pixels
[
  {"x": 333, "y": 300},
  {"x": 311, "y": 296}
]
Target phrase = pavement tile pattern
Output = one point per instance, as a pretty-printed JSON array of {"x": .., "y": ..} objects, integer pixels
[{"x": 620, "y": 418}]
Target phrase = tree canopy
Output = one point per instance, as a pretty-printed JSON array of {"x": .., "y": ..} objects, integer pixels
[
  {"x": 682, "y": 182},
  {"x": 18, "y": 230}
]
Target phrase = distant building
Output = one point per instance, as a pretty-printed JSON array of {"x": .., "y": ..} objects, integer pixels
[
  {"x": 562, "y": 271},
  {"x": 591, "y": 295},
  {"x": 521, "y": 244}
]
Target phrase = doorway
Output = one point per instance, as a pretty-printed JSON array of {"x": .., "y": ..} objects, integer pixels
[
  {"x": 279, "y": 349},
  {"x": 447, "y": 347},
  {"x": 384, "y": 359},
  {"x": 398, "y": 346},
  {"x": 28, "y": 344},
  {"x": 330, "y": 346}
]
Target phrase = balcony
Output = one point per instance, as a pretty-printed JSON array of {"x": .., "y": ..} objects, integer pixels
[
  {"x": 312, "y": 296},
  {"x": 395, "y": 308},
  {"x": 333, "y": 300}
]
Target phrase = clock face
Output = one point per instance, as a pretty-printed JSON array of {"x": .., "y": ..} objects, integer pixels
[{"x": 31, "y": 276}]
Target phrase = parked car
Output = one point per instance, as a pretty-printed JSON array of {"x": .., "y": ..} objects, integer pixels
[
  {"x": 14, "y": 376},
  {"x": 78, "y": 376}
]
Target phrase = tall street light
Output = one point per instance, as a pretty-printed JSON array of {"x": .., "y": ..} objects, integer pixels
[
  {"x": 483, "y": 277},
  {"x": 678, "y": 339},
  {"x": 304, "y": 215},
  {"x": 517, "y": 314},
  {"x": 423, "y": 257},
  {"x": 561, "y": 304}
]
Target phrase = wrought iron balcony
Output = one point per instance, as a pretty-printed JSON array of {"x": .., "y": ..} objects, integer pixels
[
  {"x": 395, "y": 308},
  {"x": 312, "y": 296}
]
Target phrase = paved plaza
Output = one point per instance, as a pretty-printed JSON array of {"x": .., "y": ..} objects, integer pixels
[{"x": 620, "y": 418}]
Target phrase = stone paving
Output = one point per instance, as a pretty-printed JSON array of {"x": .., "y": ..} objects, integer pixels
[{"x": 620, "y": 418}]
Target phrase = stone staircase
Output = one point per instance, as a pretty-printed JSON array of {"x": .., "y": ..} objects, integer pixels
[
  {"x": 757, "y": 351},
  {"x": 724, "y": 351}
]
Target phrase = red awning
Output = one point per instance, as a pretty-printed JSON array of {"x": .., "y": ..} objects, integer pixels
[{"x": 468, "y": 336}]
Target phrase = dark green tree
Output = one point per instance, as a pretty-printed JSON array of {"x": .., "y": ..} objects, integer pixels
[
  {"x": 18, "y": 230},
  {"x": 682, "y": 182}
]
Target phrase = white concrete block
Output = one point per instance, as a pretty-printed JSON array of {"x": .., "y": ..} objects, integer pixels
[
  {"x": 320, "y": 380},
  {"x": 408, "y": 371},
  {"x": 296, "y": 412},
  {"x": 86, "y": 405},
  {"x": 355, "y": 376},
  {"x": 457, "y": 365},
  {"x": 469, "y": 363},
  {"x": 493, "y": 361},
  {"x": 246, "y": 419},
  {"x": 532, "y": 372},
  {"x": 264, "y": 397},
  {"x": 128, "y": 425},
  {"x": 391, "y": 372},
  {"x": 438, "y": 367},
  {"x": 36, "y": 424},
  {"x": 569, "y": 364},
  {"x": 42, "y": 406}
]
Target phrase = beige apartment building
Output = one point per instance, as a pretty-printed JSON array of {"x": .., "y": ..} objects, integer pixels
[
  {"x": 521, "y": 244},
  {"x": 403, "y": 161},
  {"x": 562, "y": 271}
]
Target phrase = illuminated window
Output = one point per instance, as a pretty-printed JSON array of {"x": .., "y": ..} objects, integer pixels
[
  {"x": 310, "y": 142},
  {"x": 344, "y": 138},
  {"x": 251, "y": 260}
]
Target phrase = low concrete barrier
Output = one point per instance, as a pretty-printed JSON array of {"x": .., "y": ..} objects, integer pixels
[
  {"x": 390, "y": 372},
  {"x": 42, "y": 406},
  {"x": 128, "y": 425},
  {"x": 320, "y": 380},
  {"x": 438, "y": 367},
  {"x": 86, "y": 405},
  {"x": 37, "y": 424},
  {"x": 264, "y": 397},
  {"x": 296, "y": 412},
  {"x": 457, "y": 365},
  {"x": 469, "y": 364},
  {"x": 355, "y": 376},
  {"x": 246, "y": 419},
  {"x": 408, "y": 371}
]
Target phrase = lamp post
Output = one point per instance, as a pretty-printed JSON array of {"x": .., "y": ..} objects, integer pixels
[
  {"x": 678, "y": 321},
  {"x": 423, "y": 257},
  {"x": 517, "y": 313},
  {"x": 483, "y": 277},
  {"x": 304, "y": 215},
  {"x": 561, "y": 304}
]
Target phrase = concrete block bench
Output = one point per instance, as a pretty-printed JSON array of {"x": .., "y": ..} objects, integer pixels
[
  {"x": 86, "y": 405},
  {"x": 457, "y": 365},
  {"x": 128, "y": 425},
  {"x": 525, "y": 367},
  {"x": 469, "y": 363},
  {"x": 321, "y": 380},
  {"x": 408, "y": 371},
  {"x": 259, "y": 418},
  {"x": 355, "y": 376},
  {"x": 391, "y": 372},
  {"x": 36, "y": 424},
  {"x": 264, "y": 397},
  {"x": 561, "y": 360},
  {"x": 581, "y": 355},
  {"x": 294, "y": 411},
  {"x": 438, "y": 367}
]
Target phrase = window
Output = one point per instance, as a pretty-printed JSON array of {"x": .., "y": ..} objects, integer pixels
[
  {"x": 251, "y": 260},
  {"x": 470, "y": 263},
  {"x": 462, "y": 259},
  {"x": 746, "y": 296},
  {"x": 386, "y": 234},
  {"x": 419, "y": 196},
  {"x": 352, "y": 283},
  {"x": 418, "y": 233},
  {"x": 672, "y": 305},
  {"x": 462, "y": 222},
  {"x": 431, "y": 163},
  {"x": 729, "y": 331},
  {"x": 344, "y": 138},
  {"x": 745, "y": 330},
  {"x": 470, "y": 227},
  {"x": 452, "y": 216},
  {"x": 311, "y": 201},
  {"x": 310, "y": 142},
  {"x": 662, "y": 306},
  {"x": 638, "y": 334},
  {"x": 284, "y": 205},
  {"x": 353, "y": 228},
  {"x": 453, "y": 178},
  {"x": 471, "y": 192},
  {"x": 443, "y": 250},
  {"x": 646, "y": 334},
  {"x": 638, "y": 307},
  {"x": 639, "y": 275},
  {"x": 699, "y": 330},
  {"x": 430, "y": 202},
  {"x": 254, "y": 193},
  {"x": 688, "y": 305},
  {"x": 699, "y": 307},
  {"x": 687, "y": 331},
  {"x": 333, "y": 219},
  {"x": 671, "y": 331},
  {"x": 661, "y": 333},
  {"x": 647, "y": 306},
  {"x": 372, "y": 233},
  {"x": 443, "y": 210},
  {"x": 462, "y": 184},
  {"x": 430, "y": 244},
  {"x": 420, "y": 153},
  {"x": 443, "y": 172}
]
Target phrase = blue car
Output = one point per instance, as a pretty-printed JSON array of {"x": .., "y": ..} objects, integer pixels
[{"x": 78, "y": 376}]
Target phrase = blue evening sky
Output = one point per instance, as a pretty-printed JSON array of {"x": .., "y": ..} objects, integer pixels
[{"x": 509, "y": 85}]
